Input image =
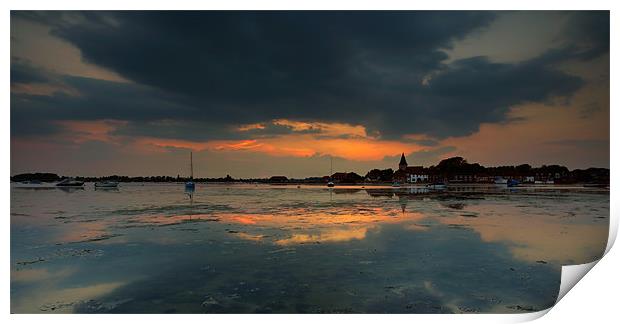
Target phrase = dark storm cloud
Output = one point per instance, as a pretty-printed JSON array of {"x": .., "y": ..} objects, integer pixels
[
  {"x": 590, "y": 33},
  {"x": 24, "y": 73},
  {"x": 149, "y": 112},
  {"x": 585, "y": 37},
  {"x": 231, "y": 68}
]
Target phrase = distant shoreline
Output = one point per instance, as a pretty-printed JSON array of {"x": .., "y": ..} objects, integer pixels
[{"x": 362, "y": 184}]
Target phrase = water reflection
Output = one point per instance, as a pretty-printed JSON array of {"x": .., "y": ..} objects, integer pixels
[
  {"x": 70, "y": 189},
  {"x": 107, "y": 189},
  {"x": 189, "y": 191},
  {"x": 299, "y": 249}
]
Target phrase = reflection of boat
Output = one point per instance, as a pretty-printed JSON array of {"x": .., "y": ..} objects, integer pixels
[
  {"x": 31, "y": 182},
  {"x": 70, "y": 182},
  {"x": 34, "y": 184},
  {"x": 106, "y": 184},
  {"x": 190, "y": 184},
  {"x": 331, "y": 171},
  {"x": 70, "y": 189},
  {"x": 418, "y": 190},
  {"x": 512, "y": 183},
  {"x": 436, "y": 185},
  {"x": 189, "y": 191}
]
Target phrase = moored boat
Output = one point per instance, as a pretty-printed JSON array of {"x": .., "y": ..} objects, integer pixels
[
  {"x": 330, "y": 183},
  {"x": 106, "y": 184},
  {"x": 189, "y": 185},
  {"x": 70, "y": 182},
  {"x": 501, "y": 180}
]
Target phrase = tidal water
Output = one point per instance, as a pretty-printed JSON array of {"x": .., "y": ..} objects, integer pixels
[{"x": 153, "y": 248}]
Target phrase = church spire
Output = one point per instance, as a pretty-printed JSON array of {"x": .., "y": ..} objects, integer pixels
[{"x": 403, "y": 162}]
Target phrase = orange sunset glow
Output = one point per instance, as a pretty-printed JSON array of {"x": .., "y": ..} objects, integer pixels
[{"x": 378, "y": 108}]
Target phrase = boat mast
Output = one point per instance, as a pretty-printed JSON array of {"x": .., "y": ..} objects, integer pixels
[
  {"x": 191, "y": 165},
  {"x": 331, "y": 166}
]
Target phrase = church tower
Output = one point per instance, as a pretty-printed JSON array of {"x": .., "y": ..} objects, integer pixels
[{"x": 403, "y": 163}]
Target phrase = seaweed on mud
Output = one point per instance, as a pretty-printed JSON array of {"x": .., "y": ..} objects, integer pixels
[
  {"x": 459, "y": 226},
  {"x": 96, "y": 238},
  {"x": 457, "y": 206},
  {"x": 524, "y": 308},
  {"x": 29, "y": 262},
  {"x": 50, "y": 307},
  {"x": 62, "y": 253},
  {"x": 132, "y": 223}
]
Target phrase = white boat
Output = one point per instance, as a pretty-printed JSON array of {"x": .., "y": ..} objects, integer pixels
[
  {"x": 189, "y": 185},
  {"x": 106, "y": 184},
  {"x": 501, "y": 180},
  {"x": 70, "y": 182}
]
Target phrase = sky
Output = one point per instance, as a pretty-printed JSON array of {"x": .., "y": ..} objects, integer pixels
[{"x": 255, "y": 94}]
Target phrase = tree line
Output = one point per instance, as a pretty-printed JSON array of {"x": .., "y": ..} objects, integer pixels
[{"x": 447, "y": 167}]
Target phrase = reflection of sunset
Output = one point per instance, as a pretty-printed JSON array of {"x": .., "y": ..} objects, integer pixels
[
  {"x": 326, "y": 236},
  {"x": 307, "y": 226},
  {"x": 250, "y": 237},
  {"x": 536, "y": 237},
  {"x": 43, "y": 274},
  {"x": 64, "y": 298},
  {"x": 244, "y": 219},
  {"x": 85, "y": 231}
]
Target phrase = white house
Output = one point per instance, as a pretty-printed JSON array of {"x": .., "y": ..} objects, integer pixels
[{"x": 418, "y": 178}]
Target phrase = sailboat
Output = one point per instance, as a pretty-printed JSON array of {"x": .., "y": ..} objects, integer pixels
[
  {"x": 189, "y": 185},
  {"x": 331, "y": 171}
]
